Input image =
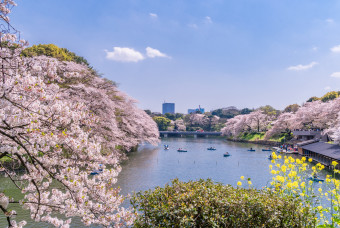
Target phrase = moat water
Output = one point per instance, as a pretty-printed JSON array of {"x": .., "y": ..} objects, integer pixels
[{"x": 153, "y": 166}]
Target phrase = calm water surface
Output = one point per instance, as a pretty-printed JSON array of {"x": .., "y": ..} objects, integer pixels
[{"x": 153, "y": 166}]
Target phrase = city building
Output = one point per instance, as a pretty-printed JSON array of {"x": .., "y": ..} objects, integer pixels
[
  {"x": 168, "y": 108},
  {"x": 201, "y": 110}
]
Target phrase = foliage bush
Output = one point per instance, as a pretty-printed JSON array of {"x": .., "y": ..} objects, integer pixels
[
  {"x": 205, "y": 203},
  {"x": 54, "y": 51}
]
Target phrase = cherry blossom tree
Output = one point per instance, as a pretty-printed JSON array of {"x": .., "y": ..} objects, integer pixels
[
  {"x": 235, "y": 126},
  {"x": 59, "y": 121},
  {"x": 282, "y": 124},
  {"x": 179, "y": 123},
  {"x": 256, "y": 121},
  {"x": 315, "y": 114},
  {"x": 206, "y": 121}
]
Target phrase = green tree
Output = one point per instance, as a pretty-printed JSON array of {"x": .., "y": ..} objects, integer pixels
[
  {"x": 329, "y": 96},
  {"x": 148, "y": 112},
  {"x": 179, "y": 115},
  {"x": 246, "y": 111},
  {"x": 54, "y": 51},
  {"x": 313, "y": 99},
  {"x": 269, "y": 110},
  {"x": 170, "y": 116},
  {"x": 292, "y": 108},
  {"x": 162, "y": 122}
]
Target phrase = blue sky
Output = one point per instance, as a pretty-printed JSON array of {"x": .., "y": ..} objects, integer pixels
[{"x": 211, "y": 53}]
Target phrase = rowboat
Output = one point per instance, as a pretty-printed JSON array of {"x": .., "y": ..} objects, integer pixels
[
  {"x": 181, "y": 150},
  {"x": 226, "y": 154},
  {"x": 316, "y": 179},
  {"x": 99, "y": 171},
  {"x": 211, "y": 148}
]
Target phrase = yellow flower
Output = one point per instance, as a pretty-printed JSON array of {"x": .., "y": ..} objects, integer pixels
[
  {"x": 319, "y": 207},
  {"x": 273, "y": 172},
  {"x": 274, "y": 156},
  {"x": 284, "y": 168},
  {"x": 301, "y": 194},
  {"x": 239, "y": 183},
  {"x": 280, "y": 178},
  {"x": 303, "y": 184},
  {"x": 278, "y": 165},
  {"x": 242, "y": 177},
  {"x": 289, "y": 185},
  {"x": 320, "y": 189},
  {"x": 279, "y": 157},
  {"x": 270, "y": 166},
  {"x": 295, "y": 184},
  {"x": 303, "y": 159},
  {"x": 310, "y": 160},
  {"x": 334, "y": 163},
  {"x": 249, "y": 182}
]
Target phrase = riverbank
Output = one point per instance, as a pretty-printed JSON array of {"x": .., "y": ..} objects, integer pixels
[
  {"x": 258, "y": 138},
  {"x": 260, "y": 142}
]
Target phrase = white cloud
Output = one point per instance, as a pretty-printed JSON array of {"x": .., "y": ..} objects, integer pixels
[
  {"x": 124, "y": 54},
  {"x": 153, "y": 15},
  {"x": 208, "y": 20},
  {"x": 302, "y": 67},
  {"x": 329, "y": 20},
  {"x": 327, "y": 88},
  {"x": 335, "y": 75},
  {"x": 335, "y": 48},
  {"x": 152, "y": 53}
]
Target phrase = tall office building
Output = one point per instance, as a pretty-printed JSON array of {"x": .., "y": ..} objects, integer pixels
[
  {"x": 201, "y": 110},
  {"x": 168, "y": 108}
]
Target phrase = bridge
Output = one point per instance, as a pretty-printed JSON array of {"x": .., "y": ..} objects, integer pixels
[{"x": 165, "y": 134}]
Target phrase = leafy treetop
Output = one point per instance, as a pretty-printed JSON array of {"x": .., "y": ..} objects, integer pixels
[{"x": 53, "y": 50}]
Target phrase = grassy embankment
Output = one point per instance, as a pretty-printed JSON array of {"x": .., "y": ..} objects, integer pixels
[{"x": 281, "y": 138}]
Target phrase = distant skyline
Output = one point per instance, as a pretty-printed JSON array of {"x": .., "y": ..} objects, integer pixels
[{"x": 211, "y": 53}]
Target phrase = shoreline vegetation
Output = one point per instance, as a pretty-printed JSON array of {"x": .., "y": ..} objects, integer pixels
[
  {"x": 259, "y": 138},
  {"x": 292, "y": 199}
]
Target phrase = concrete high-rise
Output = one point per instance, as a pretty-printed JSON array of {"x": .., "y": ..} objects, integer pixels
[{"x": 168, "y": 108}]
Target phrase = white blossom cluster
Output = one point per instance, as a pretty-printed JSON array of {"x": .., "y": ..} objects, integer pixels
[{"x": 60, "y": 121}]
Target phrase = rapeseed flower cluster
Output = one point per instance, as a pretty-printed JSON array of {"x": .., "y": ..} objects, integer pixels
[{"x": 292, "y": 177}]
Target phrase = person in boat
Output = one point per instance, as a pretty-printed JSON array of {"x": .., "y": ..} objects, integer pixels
[
  {"x": 270, "y": 156},
  {"x": 226, "y": 153},
  {"x": 251, "y": 148}
]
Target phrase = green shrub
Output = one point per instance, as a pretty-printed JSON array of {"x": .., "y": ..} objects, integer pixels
[
  {"x": 204, "y": 203},
  {"x": 54, "y": 51}
]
